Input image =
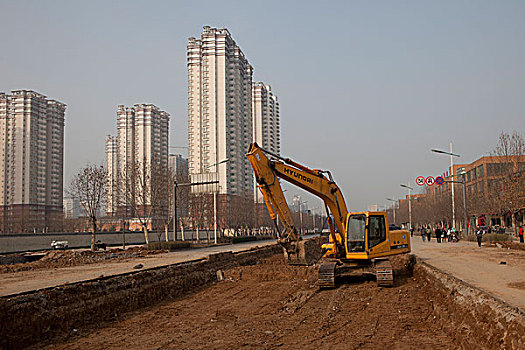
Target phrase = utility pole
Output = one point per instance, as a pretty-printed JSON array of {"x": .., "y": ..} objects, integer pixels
[{"x": 452, "y": 174}]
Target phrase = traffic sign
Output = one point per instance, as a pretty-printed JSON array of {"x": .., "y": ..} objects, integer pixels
[
  {"x": 430, "y": 181},
  {"x": 420, "y": 180},
  {"x": 440, "y": 180}
]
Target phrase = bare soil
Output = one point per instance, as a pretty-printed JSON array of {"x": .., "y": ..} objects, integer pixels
[
  {"x": 272, "y": 305},
  {"x": 506, "y": 245},
  {"x": 67, "y": 258}
]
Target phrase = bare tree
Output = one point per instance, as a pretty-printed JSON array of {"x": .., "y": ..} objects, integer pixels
[
  {"x": 89, "y": 186},
  {"x": 162, "y": 179},
  {"x": 135, "y": 194},
  {"x": 146, "y": 194},
  {"x": 507, "y": 192}
]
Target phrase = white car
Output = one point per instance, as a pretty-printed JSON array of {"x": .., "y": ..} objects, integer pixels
[{"x": 59, "y": 245}]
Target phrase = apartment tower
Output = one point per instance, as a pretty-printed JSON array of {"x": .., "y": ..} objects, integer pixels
[
  {"x": 31, "y": 161},
  {"x": 266, "y": 128},
  {"x": 142, "y": 138},
  {"x": 220, "y": 123}
]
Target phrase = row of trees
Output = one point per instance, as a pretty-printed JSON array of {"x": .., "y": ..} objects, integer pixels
[
  {"x": 145, "y": 193},
  {"x": 502, "y": 196}
]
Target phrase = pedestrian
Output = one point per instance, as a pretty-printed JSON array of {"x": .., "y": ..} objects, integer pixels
[
  {"x": 438, "y": 235},
  {"x": 429, "y": 233},
  {"x": 520, "y": 233},
  {"x": 423, "y": 234},
  {"x": 411, "y": 232},
  {"x": 479, "y": 236}
]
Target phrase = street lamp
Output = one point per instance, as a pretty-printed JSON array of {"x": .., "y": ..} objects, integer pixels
[
  {"x": 452, "y": 174},
  {"x": 301, "y": 213},
  {"x": 394, "y": 207},
  {"x": 215, "y": 200},
  {"x": 409, "y": 205},
  {"x": 462, "y": 172}
]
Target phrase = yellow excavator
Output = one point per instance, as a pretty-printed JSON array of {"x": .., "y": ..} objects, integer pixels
[{"x": 359, "y": 244}]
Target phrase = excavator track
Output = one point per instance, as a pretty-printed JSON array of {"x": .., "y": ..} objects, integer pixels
[
  {"x": 326, "y": 277},
  {"x": 384, "y": 273}
]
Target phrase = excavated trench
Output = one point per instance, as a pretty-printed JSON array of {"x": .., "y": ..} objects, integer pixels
[{"x": 260, "y": 303}]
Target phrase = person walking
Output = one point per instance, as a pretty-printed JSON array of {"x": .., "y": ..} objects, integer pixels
[
  {"x": 411, "y": 232},
  {"x": 520, "y": 233},
  {"x": 423, "y": 234},
  {"x": 438, "y": 235},
  {"x": 479, "y": 236},
  {"x": 429, "y": 233}
]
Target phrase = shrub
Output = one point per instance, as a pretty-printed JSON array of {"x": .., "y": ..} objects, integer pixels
[
  {"x": 171, "y": 246},
  {"x": 491, "y": 237},
  {"x": 241, "y": 239},
  {"x": 264, "y": 238},
  {"x": 496, "y": 237}
]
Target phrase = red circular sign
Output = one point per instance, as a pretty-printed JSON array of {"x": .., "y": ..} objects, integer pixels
[
  {"x": 430, "y": 181},
  {"x": 420, "y": 180}
]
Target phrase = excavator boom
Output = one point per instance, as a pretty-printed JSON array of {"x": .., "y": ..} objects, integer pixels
[{"x": 267, "y": 173}]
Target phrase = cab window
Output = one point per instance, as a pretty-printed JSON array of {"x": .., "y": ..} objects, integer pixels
[
  {"x": 356, "y": 233},
  {"x": 376, "y": 230}
]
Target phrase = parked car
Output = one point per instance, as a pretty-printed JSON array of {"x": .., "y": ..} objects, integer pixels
[{"x": 59, "y": 245}]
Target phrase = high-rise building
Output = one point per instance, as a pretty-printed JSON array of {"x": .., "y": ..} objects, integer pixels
[
  {"x": 266, "y": 127},
  {"x": 142, "y": 138},
  {"x": 178, "y": 165},
  {"x": 32, "y": 161},
  {"x": 266, "y": 124},
  {"x": 112, "y": 174},
  {"x": 72, "y": 208},
  {"x": 219, "y": 111}
]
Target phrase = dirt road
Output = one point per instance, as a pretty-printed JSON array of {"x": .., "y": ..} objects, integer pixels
[
  {"x": 272, "y": 305},
  {"x": 481, "y": 267},
  {"x": 23, "y": 281}
]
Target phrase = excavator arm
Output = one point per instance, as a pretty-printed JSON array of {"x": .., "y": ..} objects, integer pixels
[{"x": 319, "y": 183}]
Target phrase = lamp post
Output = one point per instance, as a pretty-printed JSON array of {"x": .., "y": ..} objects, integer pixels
[
  {"x": 409, "y": 205},
  {"x": 452, "y": 174},
  {"x": 301, "y": 213},
  {"x": 393, "y": 207},
  {"x": 462, "y": 172},
  {"x": 215, "y": 201}
]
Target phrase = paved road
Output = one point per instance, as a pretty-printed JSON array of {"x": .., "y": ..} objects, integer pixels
[
  {"x": 24, "y": 281},
  {"x": 32, "y": 242},
  {"x": 479, "y": 266}
]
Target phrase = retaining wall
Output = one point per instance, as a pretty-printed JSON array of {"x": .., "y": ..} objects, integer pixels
[{"x": 39, "y": 316}]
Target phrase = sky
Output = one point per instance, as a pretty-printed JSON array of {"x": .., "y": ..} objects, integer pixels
[{"x": 366, "y": 89}]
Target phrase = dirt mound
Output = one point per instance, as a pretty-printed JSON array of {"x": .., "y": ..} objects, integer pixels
[
  {"x": 506, "y": 245},
  {"x": 68, "y": 258}
]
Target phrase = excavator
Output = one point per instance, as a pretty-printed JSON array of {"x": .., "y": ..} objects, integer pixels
[{"x": 359, "y": 243}]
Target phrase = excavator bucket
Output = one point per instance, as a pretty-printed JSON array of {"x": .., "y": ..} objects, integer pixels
[{"x": 305, "y": 252}]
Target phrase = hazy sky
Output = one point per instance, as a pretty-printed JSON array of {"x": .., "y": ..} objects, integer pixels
[{"x": 366, "y": 88}]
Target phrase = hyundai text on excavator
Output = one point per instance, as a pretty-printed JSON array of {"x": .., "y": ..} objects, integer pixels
[{"x": 359, "y": 244}]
